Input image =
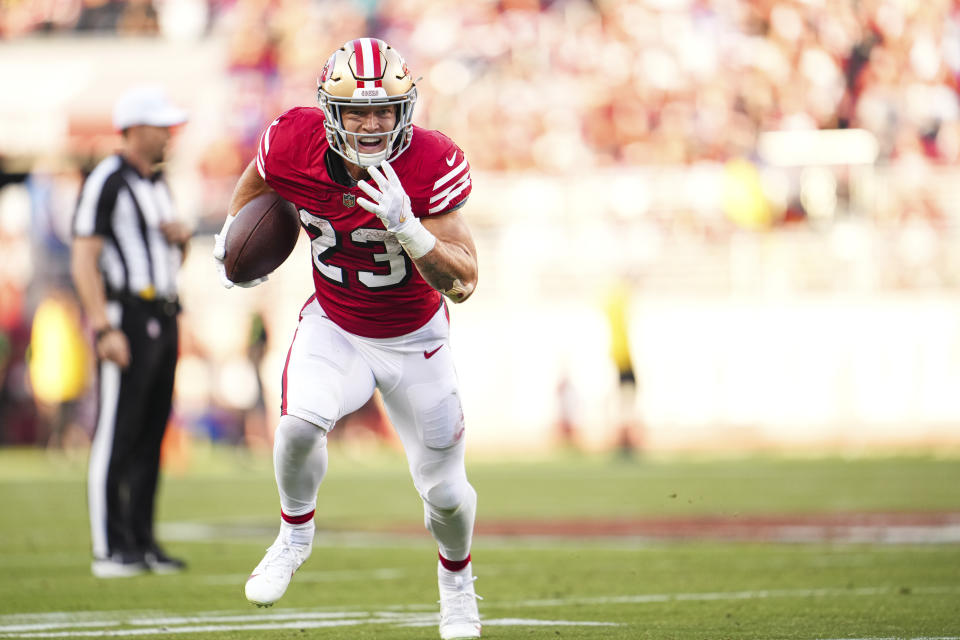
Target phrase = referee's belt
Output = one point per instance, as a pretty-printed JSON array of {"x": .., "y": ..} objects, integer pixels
[{"x": 148, "y": 298}]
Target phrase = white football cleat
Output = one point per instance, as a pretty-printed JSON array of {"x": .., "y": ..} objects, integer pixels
[
  {"x": 270, "y": 579},
  {"x": 459, "y": 617}
]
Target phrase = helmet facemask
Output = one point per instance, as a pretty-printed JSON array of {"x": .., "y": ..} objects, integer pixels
[
  {"x": 367, "y": 73},
  {"x": 397, "y": 139}
]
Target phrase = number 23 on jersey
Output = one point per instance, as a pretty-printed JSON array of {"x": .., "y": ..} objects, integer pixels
[{"x": 389, "y": 266}]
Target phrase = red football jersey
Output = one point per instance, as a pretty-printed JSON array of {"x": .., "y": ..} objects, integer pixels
[{"x": 364, "y": 280}]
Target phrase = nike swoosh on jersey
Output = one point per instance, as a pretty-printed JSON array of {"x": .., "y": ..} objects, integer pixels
[
  {"x": 451, "y": 159},
  {"x": 430, "y": 354}
]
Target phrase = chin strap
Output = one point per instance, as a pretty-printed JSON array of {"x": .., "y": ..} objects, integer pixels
[
  {"x": 370, "y": 159},
  {"x": 366, "y": 160}
]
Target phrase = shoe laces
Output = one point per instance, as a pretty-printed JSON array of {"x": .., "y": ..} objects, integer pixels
[
  {"x": 461, "y": 601},
  {"x": 282, "y": 558}
]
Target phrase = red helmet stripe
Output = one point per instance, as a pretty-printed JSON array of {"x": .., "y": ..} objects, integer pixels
[{"x": 358, "y": 56}]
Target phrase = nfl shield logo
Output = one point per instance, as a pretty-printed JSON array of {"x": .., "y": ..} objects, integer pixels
[{"x": 349, "y": 200}]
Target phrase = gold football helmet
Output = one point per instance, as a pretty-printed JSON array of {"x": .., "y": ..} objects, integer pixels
[{"x": 367, "y": 71}]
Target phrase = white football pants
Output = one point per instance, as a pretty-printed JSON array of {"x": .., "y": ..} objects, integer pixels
[{"x": 330, "y": 373}]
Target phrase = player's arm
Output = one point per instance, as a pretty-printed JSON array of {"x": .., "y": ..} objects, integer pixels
[
  {"x": 109, "y": 343},
  {"x": 441, "y": 246},
  {"x": 451, "y": 266},
  {"x": 250, "y": 185}
]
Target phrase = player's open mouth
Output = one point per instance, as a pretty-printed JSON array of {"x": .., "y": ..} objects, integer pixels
[{"x": 369, "y": 144}]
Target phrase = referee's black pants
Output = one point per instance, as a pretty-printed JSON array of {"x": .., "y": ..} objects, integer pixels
[{"x": 134, "y": 406}]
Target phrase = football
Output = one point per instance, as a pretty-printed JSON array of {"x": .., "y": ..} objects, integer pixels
[{"x": 261, "y": 238}]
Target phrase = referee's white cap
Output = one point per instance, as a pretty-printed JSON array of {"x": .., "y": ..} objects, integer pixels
[{"x": 147, "y": 105}]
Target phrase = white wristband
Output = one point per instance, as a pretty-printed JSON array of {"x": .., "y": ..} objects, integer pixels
[{"x": 414, "y": 238}]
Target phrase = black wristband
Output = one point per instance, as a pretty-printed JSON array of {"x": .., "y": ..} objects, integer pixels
[{"x": 99, "y": 333}]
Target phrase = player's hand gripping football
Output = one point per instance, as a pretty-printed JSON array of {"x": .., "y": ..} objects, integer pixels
[
  {"x": 392, "y": 205},
  {"x": 220, "y": 251}
]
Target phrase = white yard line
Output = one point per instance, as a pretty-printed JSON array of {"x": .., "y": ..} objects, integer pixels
[
  {"x": 726, "y": 595},
  {"x": 104, "y": 623},
  {"x": 147, "y": 631},
  {"x": 394, "y": 621}
]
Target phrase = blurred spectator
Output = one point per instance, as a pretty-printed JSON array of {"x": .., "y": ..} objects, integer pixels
[
  {"x": 100, "y": 15},
  {"x": 256, "y": 429},
  {"x": 628, "y": 425},
  {"x": 52, "y": 189},
  {"x": 19, "y": 421},
  {"x": 60, "y": 366},
  {"x": 567, "y": 413},
  {"x": 10, "y": 176}
]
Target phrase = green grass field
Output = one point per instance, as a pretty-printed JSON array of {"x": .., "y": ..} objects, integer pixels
[{"x": 363, "y": 581}]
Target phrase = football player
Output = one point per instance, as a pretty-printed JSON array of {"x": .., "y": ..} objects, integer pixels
[{"x": 381, "y": 201}]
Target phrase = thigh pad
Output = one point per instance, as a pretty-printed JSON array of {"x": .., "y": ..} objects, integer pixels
[{"x": 437, "y": 413}]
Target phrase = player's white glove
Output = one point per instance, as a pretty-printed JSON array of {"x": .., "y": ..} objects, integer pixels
[
  {"x": 220, "y": 250},
  {"x": 392, "y": 205}
]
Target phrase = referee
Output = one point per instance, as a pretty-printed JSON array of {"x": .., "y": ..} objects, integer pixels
[{"x": 127, "y": 249}]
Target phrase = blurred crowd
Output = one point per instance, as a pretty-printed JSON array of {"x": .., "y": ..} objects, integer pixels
[
  {"x": 559, "y": 84},
  {"x": 552, "y": 87}
]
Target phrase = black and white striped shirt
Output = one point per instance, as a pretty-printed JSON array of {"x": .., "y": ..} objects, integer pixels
[{"x": 127, "y": 209}]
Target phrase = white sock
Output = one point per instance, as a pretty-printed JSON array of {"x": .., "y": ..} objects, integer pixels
[
  {"x": 301, "y": 534},
  {"x": 448, "y": 578}
]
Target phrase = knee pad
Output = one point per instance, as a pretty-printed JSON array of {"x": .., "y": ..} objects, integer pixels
[
  {"x": 448, "y": 495},
  {"x": 300, "y": 433},
  {"x": 299, "y": 464}
]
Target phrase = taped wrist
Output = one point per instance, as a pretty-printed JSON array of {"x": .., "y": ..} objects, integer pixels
[{"x": 414, "y": 238}]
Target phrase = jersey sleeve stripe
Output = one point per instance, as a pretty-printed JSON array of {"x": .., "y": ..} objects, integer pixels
[
  {"x": 453, "y": 194},
  {"x": 445, "y": 179},
  {"x": 260, "y": 169},
  {"x": 266, "y": 136},
  {"x": 443, "y": 193},
  {"x": 260, "y": 158},
  {"x": 264, "y": 150}
]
